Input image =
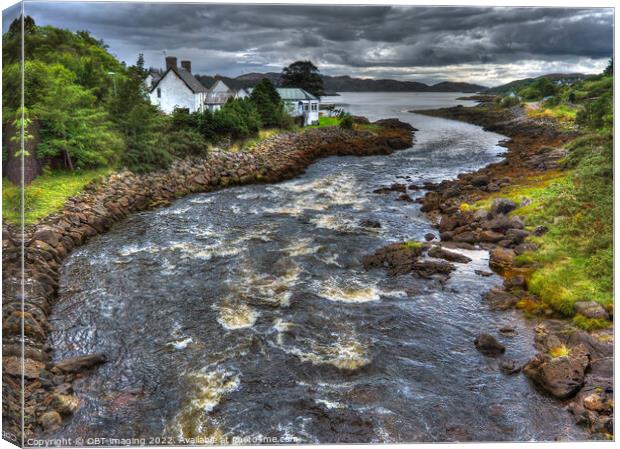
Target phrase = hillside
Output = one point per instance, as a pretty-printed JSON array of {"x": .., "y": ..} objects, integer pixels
[
  {"x": 516, "y": 85},
  {"x": 348, "y": 84}
]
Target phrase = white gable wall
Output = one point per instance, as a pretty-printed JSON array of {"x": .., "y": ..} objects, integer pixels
[{"x": 174, "y": 94}]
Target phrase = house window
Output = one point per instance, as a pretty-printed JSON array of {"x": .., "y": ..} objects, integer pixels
[
  {"x": 158, "y": 92},
  {"x": 305, "y": 106},
  {"x": 315, "y": 107}
]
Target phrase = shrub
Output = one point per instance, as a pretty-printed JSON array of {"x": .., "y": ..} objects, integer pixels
[
  {"x": 146, "y": 155},
  {"x": 347, "y": 122},
  {"x": 187, "y": 142},
  {"x": 540, "y": 88},
  {"x": 590, "y": 324},
  {"x": 509, "y": 101}
]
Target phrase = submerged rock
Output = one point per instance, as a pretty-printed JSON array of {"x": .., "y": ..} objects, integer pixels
[
  {"x": 488, "y": 345},
  {"x": 500, "y": 299},
  {"x": 429, "y": 268},
  {"x": 509, "y": 366},
  {"x": 397, "y": 258},
  {"x": 77, "y": 364},
  {"x": 370, "y": 224}
]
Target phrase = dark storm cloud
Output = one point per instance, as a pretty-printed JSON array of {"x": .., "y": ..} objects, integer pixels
[{"x": 398, "y": 41}]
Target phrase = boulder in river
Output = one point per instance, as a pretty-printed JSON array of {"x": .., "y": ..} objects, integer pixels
[
  {"x": 488, "y": 345},
  {"x": 398, "y": 258},
  {"x": 561, "y": 376},
  {"x": 509, "y": 366},
  {"x": 500, "y": 299},
  {"x": 77, "y": 364},
  {"x": 429, "y": 268},
  {"x": 370, "y": 224},
  {"x": 440, "y": 253}
]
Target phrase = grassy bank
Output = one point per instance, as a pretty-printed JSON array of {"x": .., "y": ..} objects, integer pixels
[
  {"x": 574, "y": 257},
  {"x": 46, "y": 194}
]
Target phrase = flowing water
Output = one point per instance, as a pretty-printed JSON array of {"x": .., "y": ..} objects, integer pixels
[{"x": 246, "y": 313}]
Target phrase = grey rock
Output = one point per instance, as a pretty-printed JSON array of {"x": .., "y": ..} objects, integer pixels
[
  {"x": 488, "y": 345},
  {"x": 591, "y": 309},
  {"x": 502, "y": 206}
]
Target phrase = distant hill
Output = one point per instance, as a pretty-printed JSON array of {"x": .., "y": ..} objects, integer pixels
[
  {"x": 347, "y": 84},
  {"x": 520, "y": 84}
]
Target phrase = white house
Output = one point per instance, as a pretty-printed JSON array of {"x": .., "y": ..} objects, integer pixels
[
  {"x": 220, "y": 93},
  {"x": 178, "y": 88},
  {"x": 152, "y": 77},
  {"x": 300, "y": 103}
]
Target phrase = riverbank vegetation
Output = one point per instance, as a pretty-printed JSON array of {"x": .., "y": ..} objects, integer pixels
[
  {"x": 86, "y": 112},
  {"x": 46, "y": 194},
  {"x": 574, "y": 259}
]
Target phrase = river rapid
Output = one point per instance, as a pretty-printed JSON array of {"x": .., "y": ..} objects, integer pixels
[{"x": 246, "y": 313}]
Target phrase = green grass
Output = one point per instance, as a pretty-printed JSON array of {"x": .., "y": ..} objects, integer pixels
[
  {"x": 46, "y": 194},
  {"x": 328, "y": 121},
  {"x": 574, "y": 259},
  {"x": 563, "y": 113},
  {"x": 590, "y": 324}
]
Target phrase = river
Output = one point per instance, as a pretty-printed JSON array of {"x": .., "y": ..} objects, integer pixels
[{"x": 246, "y": 313}]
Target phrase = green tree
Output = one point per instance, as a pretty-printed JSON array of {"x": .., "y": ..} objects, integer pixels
[
  {"x": 540, "y": 88},
  {"x": 72, "y": 125},
  {"x": 268, "y": 103},
  {"x": 303, "y": 74},
  {"x": 609, "y": 70}
]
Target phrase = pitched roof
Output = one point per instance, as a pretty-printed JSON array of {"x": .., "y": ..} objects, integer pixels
[
  {"x": 190, "y": 81},
  {"x": 294, "y": 93}
]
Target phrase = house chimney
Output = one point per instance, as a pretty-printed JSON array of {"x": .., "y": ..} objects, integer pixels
[
  {"x": 187, "y": 65},
  {"x": 171, "y": 62}
]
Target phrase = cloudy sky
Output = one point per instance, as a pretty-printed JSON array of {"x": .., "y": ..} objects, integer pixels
[{"x": 428, "y": 44}]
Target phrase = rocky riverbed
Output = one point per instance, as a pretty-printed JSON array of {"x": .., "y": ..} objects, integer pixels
[
  {"x": 572, "y": 365},
  {"x": 48, "y": 392},
  {"x": 321, "y": 309}
]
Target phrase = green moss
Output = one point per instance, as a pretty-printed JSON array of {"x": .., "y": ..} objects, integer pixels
[
  {"x": 590, "y": 324},
  {"x": 413, "y": 244},
  {"x": 46, "y": 194}
]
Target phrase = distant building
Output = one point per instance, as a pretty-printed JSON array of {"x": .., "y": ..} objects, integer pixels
[
  {"x": 152, "y": 77},
  {"x": 177, "y": 88},
  {"x": 300, "y": 104},
  {"x": 219, "y": 93}
]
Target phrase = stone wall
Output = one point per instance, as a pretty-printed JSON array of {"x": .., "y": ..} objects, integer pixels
[{"x": 48, "y": 391}]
